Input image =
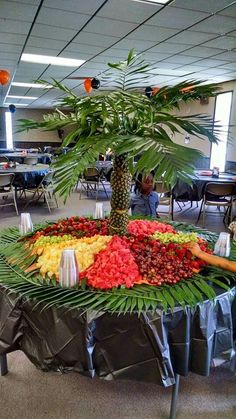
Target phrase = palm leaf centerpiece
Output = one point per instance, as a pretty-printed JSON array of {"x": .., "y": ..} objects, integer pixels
[{"x": 130, "y": 124}]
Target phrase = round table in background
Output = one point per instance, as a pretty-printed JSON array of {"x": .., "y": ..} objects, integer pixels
[{"x": 27, "y": 175}]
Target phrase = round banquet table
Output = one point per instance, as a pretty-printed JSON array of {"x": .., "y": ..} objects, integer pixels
[
  {"x": 195, "y": 191},
  {"x": 153, "y": 347},
  {"x": 19, "y": 157},
  {"x": 27, "y": 175}
]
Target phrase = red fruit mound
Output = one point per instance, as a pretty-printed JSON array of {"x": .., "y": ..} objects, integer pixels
[
  {"x": 75, "y": 226},
  {"x": 147, "y": 228},
  {"x": 160, "y": 263},
  {"x": 113, "y": 267}
]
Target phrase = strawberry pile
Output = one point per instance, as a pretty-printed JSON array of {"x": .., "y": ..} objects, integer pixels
[{"x": 76, "y": 227}]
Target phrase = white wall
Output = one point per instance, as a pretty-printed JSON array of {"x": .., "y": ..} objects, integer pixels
[{"x": 32, "y": 135}]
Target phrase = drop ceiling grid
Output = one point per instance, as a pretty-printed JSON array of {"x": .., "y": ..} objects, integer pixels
[{"x": 162, "y": 35}]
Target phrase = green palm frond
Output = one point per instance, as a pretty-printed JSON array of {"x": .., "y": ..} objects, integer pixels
[
  {"x": 139, "y": 299},
  {"x": 128, "y": 122}
]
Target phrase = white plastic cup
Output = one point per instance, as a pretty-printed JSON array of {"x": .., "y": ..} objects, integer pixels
[
  {"x": 222, "y": 246},
  {"x": 26, "y": 225},
  {"x": 99, "y": 211},
  {"x": 69, "y": 270}
]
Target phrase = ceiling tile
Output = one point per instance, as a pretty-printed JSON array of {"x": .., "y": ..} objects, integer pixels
[
  {"x": 210, "y": 6},
  {"x": 17, "y": 11},
  {"x": 105, "y": 26},
  {"x": 233, "y": 33},
  {"x": 9, "y": 38},
  {"x": 203, "y": 52},
  {"x": 139, "y": 46},
  {"x": 152, "y": 33},
  {"x": 211, "y": 62},
  {"x": 129, "y": 11},
  {"x": 181, "y": 59},
  {"x": 93, "y": 39},
  {"x": 12, "y": 48},
  {"x": 230, "y": 66},
  {"x": 8, "y": 56},
  {"x": 33, "y": 2},
  {"x": 192, "y": 68},
  {"x": 41, "y": 51},
  {"x": 217, "y": 24},
  {"x": 169, "y": 48},
  {"x": 165, "y": 65},
  {"x": 191, "y": 37},
  {"x": 229, "y": 55},
  {"x": 53, "y": 32},
  {"x": 14, "y": 26},
  {"x": 172, "y": 17},
  {"x": 232, "y": 74},
  {"x": 155, "y": 56},
  {"x": 83, "y": 48},
  {"x": 224, "y": 42},
  {"x": 51, "y": 43},
  {"x": 229, "y": 11},
  {"x": 214, "y": 71},
  {"x": 86, "y": 7},
  {"x": 70, "y": 20}
]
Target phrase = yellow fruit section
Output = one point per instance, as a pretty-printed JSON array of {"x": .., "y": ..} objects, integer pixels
[{"x": 85, "y": 248}]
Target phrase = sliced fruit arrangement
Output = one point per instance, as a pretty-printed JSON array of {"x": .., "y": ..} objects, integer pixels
[{"x": 152, "y": 252}]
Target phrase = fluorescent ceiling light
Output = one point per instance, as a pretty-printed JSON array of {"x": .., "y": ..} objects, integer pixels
[
  {"x": 33, "y": 85},
  {"x": 152, "y": 1},
  {"x": 23, "y": 97},
  {"x": 16, "y": 104},
  {"x": 46, "y": 59}
]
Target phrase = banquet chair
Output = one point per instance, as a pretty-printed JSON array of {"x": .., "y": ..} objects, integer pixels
[
  {"x": 46, "y": 190},
  {"x": 165, "y": 197},
  {"x": 4, "y": 159},
  {"x": 30, "y": 160},
  {"x": 91, "y": 181},
  {"x": 7, "y": 188},
  {"x": 218, "y": 195}
]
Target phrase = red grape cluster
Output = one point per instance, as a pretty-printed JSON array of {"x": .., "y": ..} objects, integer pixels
[{"x": 160, "y": 263}]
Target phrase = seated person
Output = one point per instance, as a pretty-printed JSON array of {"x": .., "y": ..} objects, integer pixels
[{"x": 144, "y": 201}]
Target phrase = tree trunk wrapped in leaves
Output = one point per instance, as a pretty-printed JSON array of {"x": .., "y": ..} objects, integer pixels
[{"x": 120, "y": 200}]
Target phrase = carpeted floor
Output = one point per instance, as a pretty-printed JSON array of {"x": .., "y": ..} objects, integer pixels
[{"x": 27, "y": 393}]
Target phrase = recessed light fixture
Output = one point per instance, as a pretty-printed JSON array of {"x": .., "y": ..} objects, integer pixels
[
  {"x": 33, "y": 85},
  {"x": 17, "y": 104},
  {"x": 152, "y": 1},
  {"x": 46, "y": 59},
  {"x": 23, "y": 97}
]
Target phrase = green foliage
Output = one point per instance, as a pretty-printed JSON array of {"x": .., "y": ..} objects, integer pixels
[
  {"x": 127, "y": 122},
  {"x": 14, "y": 259}
]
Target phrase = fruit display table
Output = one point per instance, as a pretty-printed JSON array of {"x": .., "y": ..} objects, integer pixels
[{"x": 156, "y": 345}]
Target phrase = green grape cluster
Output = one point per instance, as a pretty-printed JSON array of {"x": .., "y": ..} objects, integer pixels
[
  {"x": 43, "y": 240},
  {"x": 180, "y": 237}
]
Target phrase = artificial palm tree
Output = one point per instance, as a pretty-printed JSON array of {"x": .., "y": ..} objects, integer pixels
[{"x": 130, "y": 124}]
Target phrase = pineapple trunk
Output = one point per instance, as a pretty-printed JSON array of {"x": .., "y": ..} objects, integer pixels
[{"x": 120, "y": 200}]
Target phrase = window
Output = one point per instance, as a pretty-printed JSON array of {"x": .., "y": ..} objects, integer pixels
[
  {"x": 221, "y": 117},
  {"x": 8, "y": 121}
]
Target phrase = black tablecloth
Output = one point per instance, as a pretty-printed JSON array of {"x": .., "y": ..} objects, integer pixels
[
  {"x": 148, "y": 348},
  {"x": 194, "y": 192}
]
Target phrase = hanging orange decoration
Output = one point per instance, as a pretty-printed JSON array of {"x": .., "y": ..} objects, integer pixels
[
  {"x": 186, "y": 89},
  {"x": 4, "y": 77},
  {"x": 87, "y": 85},
  {"x": 155, "y": 90}
]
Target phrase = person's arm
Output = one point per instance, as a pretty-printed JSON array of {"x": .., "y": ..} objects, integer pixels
[{"x": 218, "y": 261}]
